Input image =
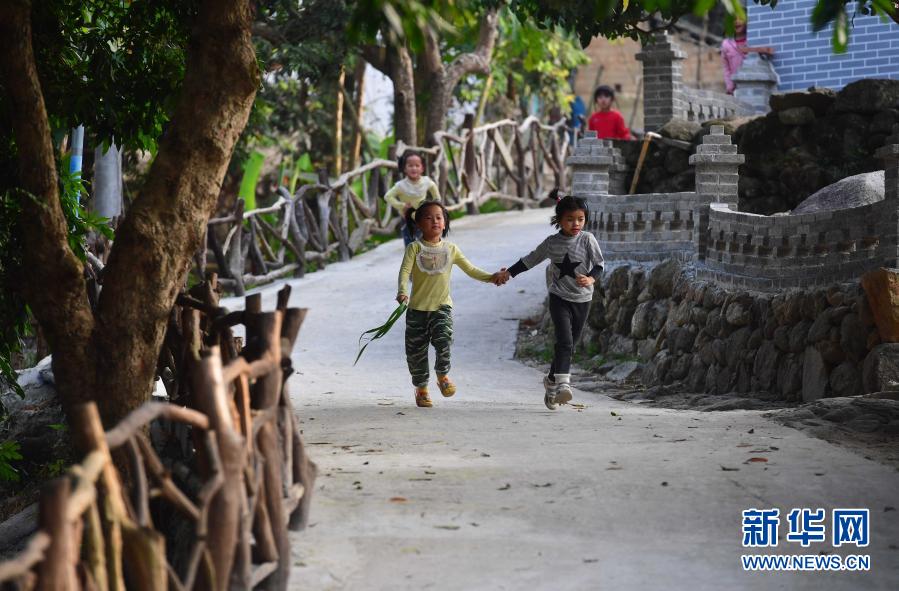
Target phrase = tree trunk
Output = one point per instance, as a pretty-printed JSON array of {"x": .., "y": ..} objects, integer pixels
[
  {"x": 54, "y": 286},
  {"x": 113, "y": 358},
  {"x": 359, "y": 83},
  {"x": 150, "y": 259},
  {"x": 445, "y": 79},
  {"x": 401, "y": 73}
]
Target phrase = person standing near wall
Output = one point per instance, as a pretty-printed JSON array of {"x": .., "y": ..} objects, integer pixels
[
  {"x": 733, "y": 50},
  {"x": 606, "y": 121}
]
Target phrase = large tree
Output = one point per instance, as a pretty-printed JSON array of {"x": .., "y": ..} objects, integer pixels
[{"x": 110, "y": 355}]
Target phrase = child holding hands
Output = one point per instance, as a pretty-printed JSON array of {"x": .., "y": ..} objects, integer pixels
[
  {"x": 575, "y": 264},
  {"x": 429, "y": 319}
]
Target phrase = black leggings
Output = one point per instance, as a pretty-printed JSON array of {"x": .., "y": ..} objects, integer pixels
[{"x": 568, "y": 321}]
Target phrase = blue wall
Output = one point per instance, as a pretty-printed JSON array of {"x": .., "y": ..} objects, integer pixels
[{"x": 803, "y": 58}]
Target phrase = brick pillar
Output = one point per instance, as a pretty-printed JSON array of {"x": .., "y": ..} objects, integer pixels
[
  {"x": 590, "y": 164},
  {"x": 890, "y": 156},
  {"x": 755, "y": 81},
  {"x": 663, "y": 95},
  {"x": 717, "y": 163}
]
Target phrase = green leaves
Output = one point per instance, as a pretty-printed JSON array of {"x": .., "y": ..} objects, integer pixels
[
  {"x": 379, "y": 331},
  {"x": 112, "y": 66},
  {"x": 80, "y": 221},
  {"x": 9, "y": 452}
]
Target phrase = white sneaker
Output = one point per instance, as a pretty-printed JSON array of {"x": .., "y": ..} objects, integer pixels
[{"x": 563, "y": 392}]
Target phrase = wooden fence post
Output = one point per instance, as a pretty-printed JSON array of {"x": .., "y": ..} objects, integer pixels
[
  {"x": 57, "y": 571},
  {"x": 225, "y": 507},
  {"x": 235, "y": 250}
]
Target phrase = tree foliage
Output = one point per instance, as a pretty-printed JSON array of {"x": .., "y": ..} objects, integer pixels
[{"x": 536, "y": 62}]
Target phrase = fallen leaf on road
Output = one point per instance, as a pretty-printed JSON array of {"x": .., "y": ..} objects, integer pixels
[
  {"x": 726, "y": 469},
  {"x": 473, "y": 524},
  {"x": 756, "y": 460},
  {"x": 451, "y": 527},
  {"x": 751, "y": 431},
  {"x": 506, "y": 487},
  {"x": 614, "y": 468},
  {"x": 542, "y": 485},
  {"x": 744, "y": 445},
  {"x": 401, "y": 413},
  {"x": 398, "y": 499},
  {"x": 577, "y": 406},
  {"x": 888, "y": 508},
  {"x": 664, "y": 483},
  {"x": 485, "y": 455},
  {"x": 429, "y": 472},
  {"x": 614, "y": 414}
]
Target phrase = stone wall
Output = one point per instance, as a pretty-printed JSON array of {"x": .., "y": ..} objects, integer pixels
[
  {"x": 804, "y": 58},
  {"x": 799, "y": 345},
  {"x": 812, "y": 139},
  {"x": 752, "y": 251},
  {"x": 647, "y": 227}
]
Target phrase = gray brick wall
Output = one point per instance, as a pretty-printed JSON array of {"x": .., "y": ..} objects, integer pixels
[
  {"x": 777, "y": 252},
  {"x": 803, "y": 58},
  {"x": 732, "y": 248}
]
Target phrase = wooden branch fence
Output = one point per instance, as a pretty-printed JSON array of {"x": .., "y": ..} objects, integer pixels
[
  {"x": 218, "y": 517},
  {"x": 516, "y": 163}
]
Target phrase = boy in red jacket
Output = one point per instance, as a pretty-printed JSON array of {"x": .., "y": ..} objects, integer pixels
[{"x": 607, "y": 122}]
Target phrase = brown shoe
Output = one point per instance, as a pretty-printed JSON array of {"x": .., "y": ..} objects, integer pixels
[
  {"x": 447, "y": 387},
  {"x": 422, "y": 399}
]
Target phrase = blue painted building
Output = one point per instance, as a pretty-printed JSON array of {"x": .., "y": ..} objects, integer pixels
[{"x": 803, "y": 58}]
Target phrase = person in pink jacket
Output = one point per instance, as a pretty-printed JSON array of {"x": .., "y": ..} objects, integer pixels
[{"x": 732, "y": 52}]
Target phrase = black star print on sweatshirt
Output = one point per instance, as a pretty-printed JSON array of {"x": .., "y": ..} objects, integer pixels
[{"x": 567, "y": 267}]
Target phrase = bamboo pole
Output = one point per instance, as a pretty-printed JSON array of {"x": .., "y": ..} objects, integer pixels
[
  {"x": 359, "y": 78},
  {"x": 338, "y": 124}
]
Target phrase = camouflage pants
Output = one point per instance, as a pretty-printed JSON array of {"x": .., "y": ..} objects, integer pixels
[{"x": 424, "y": 329}]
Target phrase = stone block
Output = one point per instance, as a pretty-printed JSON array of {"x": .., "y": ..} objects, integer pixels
[
  {"x": 880, "y": 371},
  {"x": 882, "y": 288}
]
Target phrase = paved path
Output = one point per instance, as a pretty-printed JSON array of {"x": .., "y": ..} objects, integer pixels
[{"x": 489, "y": 490}]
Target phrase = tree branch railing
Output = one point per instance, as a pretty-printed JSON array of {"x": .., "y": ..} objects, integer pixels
[
  {"x": 213, "y": 517},
  {"x": 512, "y": 162}
]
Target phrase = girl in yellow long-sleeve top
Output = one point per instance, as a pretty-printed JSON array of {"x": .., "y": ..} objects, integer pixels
[
  {"x": 429, "y": 319},
  {"x": 411, "y": 191}
]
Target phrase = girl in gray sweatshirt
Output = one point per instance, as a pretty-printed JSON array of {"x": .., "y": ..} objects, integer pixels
[{"x": 575, "y": 263}]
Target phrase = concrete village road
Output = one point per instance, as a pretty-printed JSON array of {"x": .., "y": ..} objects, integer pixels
[{"x": 490, "y": 490}]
